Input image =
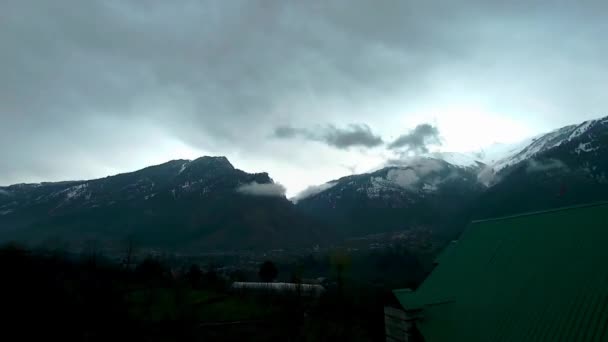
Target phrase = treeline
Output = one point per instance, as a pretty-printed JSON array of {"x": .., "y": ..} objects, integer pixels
[{"x": 55, "y": 296}]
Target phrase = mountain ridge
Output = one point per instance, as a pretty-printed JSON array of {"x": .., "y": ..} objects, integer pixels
[
  {"x": 207, "y": 204},
  {"x": 184, "y": 204},
  {"x": 564, "y": 167}
]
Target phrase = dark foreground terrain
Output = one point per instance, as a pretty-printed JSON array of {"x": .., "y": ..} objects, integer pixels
[{"x": 56, "y": 296}]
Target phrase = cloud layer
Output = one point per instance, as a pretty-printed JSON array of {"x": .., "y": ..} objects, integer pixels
[
  {"x": 354, "y": 135},
  {"x": 88, "y": 87},
  {"x": 265, "y": 189},
  {"x": 405, "y": 178},
  {"x": 545, "y": 165},
  {"x": 410, "y": 171},
  {"x": 313, "y": 190}
]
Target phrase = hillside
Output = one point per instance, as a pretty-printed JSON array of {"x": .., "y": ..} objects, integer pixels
[
  {"x": 180, "y": 205},
  {"x": 566, "y": 167},
  {"x": 422, "y": 192},
  {"x": 444, "y": 191}
]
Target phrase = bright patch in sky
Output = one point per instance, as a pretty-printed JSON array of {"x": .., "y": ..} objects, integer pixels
[{"x": 467, "y": 129}]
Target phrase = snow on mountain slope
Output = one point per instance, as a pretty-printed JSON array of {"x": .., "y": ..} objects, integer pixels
[
  {"x": 456, "y": 159},
  {"x": 179, "y": 179},
  {"x": 501, "y": 156},
  {"x": 584, "y": 148},
  {"x": 554, "y": 139},
  {"x": 499, "y": 151},
  {"x": 183, "y": 167},
  {"x": 486, "y": 163},
  {"x": 583, "y": 137},
  {"x": 404, "y": 175},
  {"x": 538, "y": 145},
  {"x": 581, "y": 129},
  {"x": 403, "y": 179}
]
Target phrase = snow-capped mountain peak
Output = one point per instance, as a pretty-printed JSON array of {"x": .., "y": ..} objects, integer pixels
[
  {"x": 486, "y": 164},
  {"x": 501, "y": 156}
]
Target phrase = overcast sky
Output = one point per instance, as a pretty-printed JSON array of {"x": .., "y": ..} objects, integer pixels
[{"x": 306, "y": 90}]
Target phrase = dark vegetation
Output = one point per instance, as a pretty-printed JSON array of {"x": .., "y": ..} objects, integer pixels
[
  {"x": 268, "y": 272},
  {"x": 56, "y": 296}
]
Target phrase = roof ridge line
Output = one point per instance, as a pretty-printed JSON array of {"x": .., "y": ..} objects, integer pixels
[{"x": 540, "y": 212}]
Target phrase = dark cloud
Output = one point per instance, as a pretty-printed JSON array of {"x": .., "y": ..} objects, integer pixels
[
  {"x": 353, "y": 135},
  {"x": 287, "y": 132},
  {"x": 417, "y": 140}
]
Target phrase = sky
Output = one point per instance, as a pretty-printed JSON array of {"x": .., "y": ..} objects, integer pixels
[{"x": 308, "y": 91}]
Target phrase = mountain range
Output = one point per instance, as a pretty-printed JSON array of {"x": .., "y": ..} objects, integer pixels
[
  {"x": 446, "y": 190},
  {"x": 203, "y": 204},
  {"x": 208, "y": 205}
]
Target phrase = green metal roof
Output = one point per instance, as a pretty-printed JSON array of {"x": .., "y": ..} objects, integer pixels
[{"x": 535, "y": 277}]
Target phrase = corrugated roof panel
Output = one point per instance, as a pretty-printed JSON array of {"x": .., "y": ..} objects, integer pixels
[{"x": 537, "y": 277}]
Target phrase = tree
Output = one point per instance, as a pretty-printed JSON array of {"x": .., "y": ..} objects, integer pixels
[
  {"x": 194, "y": 276},
  {"x": 151, "y": 270},
  {"x": 212, "y": 279},
  {"x": 268, "y": 272},
  {"x": 238, "y": 275},
  {"x": 129, "y": 253},
  {"x": 91, "y": 250},
  {"x": 340, "y": 261}
]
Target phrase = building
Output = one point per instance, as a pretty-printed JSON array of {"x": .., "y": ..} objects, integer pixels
[
  {"x": 535, "y": 277},
  {"x": 312, "y": 290}
]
